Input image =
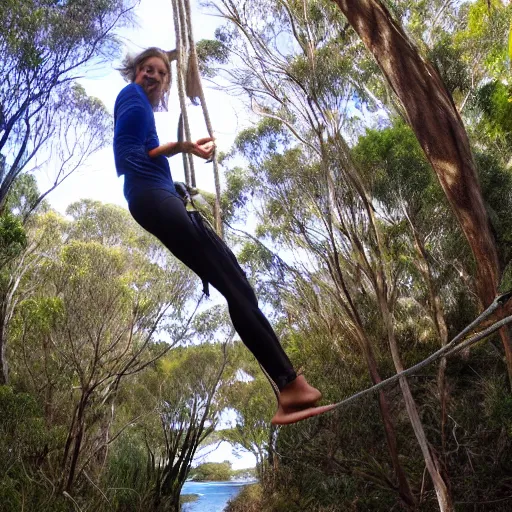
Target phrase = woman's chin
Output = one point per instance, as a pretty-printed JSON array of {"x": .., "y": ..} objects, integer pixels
[{"x": 154, "y": 99}]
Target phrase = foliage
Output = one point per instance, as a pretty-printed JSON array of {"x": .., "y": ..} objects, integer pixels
[
  {"x": 376, "y": 274},
  {"x": 249, "y": 499},
  {"x": 354, "y": 253},
  {"x": 181, "y": 391},
  {"x": 493, "y": 102},
  {"x": 212, "y": 472},
  {"x": 209, "y": 53},
  {"x": 101, "y": 294},
  {"x": 25, "y": 438},
  {"x": 12, "y": 238},
  {"x": 43, "y": 50}
]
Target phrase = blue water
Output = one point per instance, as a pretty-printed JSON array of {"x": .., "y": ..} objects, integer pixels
[{"x": 213, "y": 496}]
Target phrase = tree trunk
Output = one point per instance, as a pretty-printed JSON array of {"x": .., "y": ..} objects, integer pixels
[
  {"x": 77, "y": 437},
  {"x": 174, "y": 504},
  {"x": 442, "y": 492},
  {"x": 437, "y": 315},
  {"x": 4, "y": 371},
  {"x": 432, "y": 114},
  {"x": 404, "y": 489},
  {"x": 6, "y": 309}
]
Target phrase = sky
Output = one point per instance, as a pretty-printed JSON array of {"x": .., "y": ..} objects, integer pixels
[{"x": 98, "y": 180}]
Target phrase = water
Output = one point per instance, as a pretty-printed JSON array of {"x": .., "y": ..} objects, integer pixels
[{"x": 213, "y": 496}]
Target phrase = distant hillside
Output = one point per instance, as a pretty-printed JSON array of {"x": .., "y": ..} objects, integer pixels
[{"x": 220, "y": 472}]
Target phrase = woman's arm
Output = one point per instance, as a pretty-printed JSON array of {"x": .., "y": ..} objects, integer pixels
[
  {"x": 203, "y": 148},
  {"x": 168, "y": 150}
]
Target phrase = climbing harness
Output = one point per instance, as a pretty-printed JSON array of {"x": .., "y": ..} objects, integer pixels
[{"x": 214, "y": 245}]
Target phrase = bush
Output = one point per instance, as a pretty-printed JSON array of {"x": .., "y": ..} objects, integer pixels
[
  {"x": 249, "y": 499},
  {"x": 25, "y": 441},
  {"x": 23, "y": 433}
]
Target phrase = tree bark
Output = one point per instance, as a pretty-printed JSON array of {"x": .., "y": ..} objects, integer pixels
[
  {"x": 437, "y": 315},
  {"x": 404, "y": 489},
  {"x": 346, "y": 303},
  {"x": 432, "y": 115},
  {"x": 441, "y": 488},
  {"x": 4, "y": 371}
]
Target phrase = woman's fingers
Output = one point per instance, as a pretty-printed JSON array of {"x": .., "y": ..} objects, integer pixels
[
  {"x": 204, "y": 151},
  {"x": 203, "y": 148},
  {"x": 204, "y": 140}
]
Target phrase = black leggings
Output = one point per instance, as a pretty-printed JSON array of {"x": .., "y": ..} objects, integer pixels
[{"x": 164, "y": 216}]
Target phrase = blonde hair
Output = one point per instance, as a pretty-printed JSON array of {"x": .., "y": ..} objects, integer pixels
[{"x": 131, "y": 65}]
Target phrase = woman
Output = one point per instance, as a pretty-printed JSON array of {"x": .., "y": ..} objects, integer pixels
[{"x": 157, "y": 207}]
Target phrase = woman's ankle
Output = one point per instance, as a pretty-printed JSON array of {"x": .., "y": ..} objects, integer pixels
[{"x": 298, "y": 394}]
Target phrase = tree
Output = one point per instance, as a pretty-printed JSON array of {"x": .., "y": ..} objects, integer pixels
[
  {"x": 181, "y": 390},
  {"x": 398, "y": 176},
  {"x": 304, "y": 93},
  {"x": 212, "y": 472},
  {"x": 432, "y": 114},
  {"x": 24, "y": 247},
  {"x": 44, "y": 49},
  {"x": 253, "y": 403},
  {"x": 91, "y": 321},
  {"x": 80, "y": 126}
]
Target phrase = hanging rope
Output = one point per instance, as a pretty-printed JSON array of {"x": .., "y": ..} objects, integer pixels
[
  {"x": 180, "y": 54},
  {"x": 189, "y": 85}
]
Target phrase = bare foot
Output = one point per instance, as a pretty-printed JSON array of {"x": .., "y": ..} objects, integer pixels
[
  {"x": 298, "y": 394},
  {"x": 282, "y": 417},
  {"x": 297, "y": 401}
]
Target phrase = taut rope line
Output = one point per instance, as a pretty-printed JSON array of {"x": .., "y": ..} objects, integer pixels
[{"x": 448, "y": 350}]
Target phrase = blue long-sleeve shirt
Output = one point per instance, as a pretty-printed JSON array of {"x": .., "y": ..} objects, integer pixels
[{"x": 134, "y": 136}]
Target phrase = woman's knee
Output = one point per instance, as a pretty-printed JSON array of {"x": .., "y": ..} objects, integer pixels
[{"x": 245, "y": 302}]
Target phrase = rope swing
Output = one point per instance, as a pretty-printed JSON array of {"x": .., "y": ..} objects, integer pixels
[{"x": 189, "y": 85}]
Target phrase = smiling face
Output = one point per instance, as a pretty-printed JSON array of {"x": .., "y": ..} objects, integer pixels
[{"x": 153, "y": 76}]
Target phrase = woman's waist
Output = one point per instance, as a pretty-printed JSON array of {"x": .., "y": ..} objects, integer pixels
[
  {"x": 141, "y": 164},
  {"x": 136, "y": 183}
]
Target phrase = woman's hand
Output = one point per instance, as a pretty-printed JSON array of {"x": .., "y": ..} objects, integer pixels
[{"x": 203, "y": 148}]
